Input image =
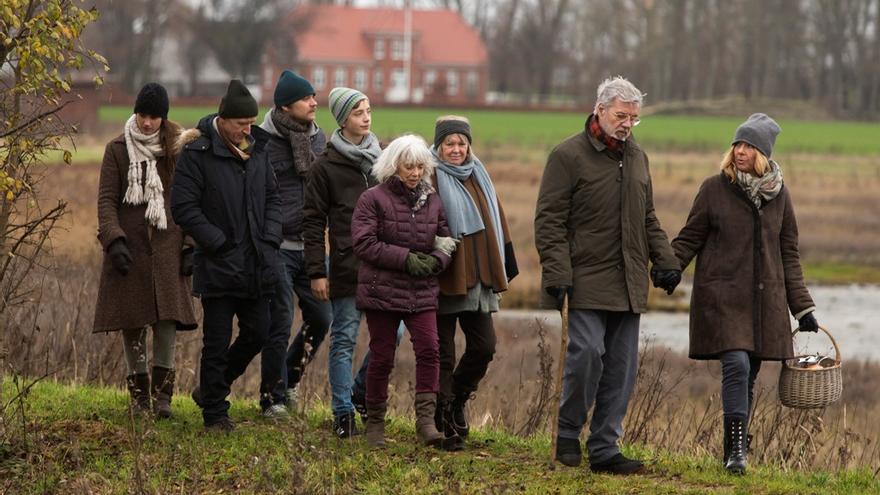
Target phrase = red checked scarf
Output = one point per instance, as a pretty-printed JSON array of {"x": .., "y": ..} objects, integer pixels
[{"x": 596, "y": 131}]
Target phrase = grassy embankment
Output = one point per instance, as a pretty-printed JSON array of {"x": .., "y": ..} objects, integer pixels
[{"x": 80, "y": 440}]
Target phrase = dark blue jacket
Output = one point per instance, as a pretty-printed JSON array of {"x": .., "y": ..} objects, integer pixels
[
  {"x": 291, "y": 185},
  {"x": 232, "y": 210}
]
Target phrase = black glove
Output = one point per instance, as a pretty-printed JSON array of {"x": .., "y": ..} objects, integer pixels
[
  {"x": 186, "y": 261},
  {"x": 119, "y": 255},
  {"x": 421, "y": 264},
  {"x": 224, "y": 248},
  {"x": 667, "y": 280},
  {"x": 808, "y": 323},
  {"x": 559, "y": 292}
]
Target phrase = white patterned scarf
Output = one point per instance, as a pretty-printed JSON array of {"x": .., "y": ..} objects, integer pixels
[
  {"x": 764, "y": 188},
  {"x": 143, "y": 148}
]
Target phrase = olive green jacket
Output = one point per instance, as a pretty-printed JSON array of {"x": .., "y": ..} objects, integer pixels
[{"x": 595, "y": 227}]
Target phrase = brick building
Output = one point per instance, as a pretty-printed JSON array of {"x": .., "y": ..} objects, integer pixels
[{"x": 366, "y": 49}]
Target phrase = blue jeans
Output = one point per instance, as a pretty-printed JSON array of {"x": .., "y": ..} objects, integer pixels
[
  {"x": 282, "y": 366},
  {"x": 343, "y": 338}
]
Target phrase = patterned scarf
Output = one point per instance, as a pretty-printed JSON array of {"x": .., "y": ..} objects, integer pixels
[
  {"x": 297, "y": 134},
  {"x": 596, "y": 131},
  {"x": 363, "y": 155},
  {"x": 761, "y": 189},
  {"x": 417, "y": 197},
  {"x": 143, "y": 148}
]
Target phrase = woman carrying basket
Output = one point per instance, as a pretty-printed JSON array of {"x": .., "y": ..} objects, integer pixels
[{"x": 743, "y": 231}]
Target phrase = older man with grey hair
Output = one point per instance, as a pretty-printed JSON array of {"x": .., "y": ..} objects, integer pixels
[{"x": 596, "y": 230}]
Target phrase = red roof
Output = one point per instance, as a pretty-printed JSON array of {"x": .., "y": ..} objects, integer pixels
[{"x": 339, "y": 33}]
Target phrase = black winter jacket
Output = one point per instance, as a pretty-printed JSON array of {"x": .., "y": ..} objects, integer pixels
[
  {"x": 232, "y": 210},
  {"x": 291, "y": 185},
  {"x": 333, "y": 189}
]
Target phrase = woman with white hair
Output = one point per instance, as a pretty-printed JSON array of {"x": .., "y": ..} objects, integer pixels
[{"x": 394, "y": 230}]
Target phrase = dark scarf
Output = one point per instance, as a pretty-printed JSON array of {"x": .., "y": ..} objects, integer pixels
[
  {"x": 416, "y": 198},
  {"x": 596, "y": 131},
  {"x": 298, "y": 135}
]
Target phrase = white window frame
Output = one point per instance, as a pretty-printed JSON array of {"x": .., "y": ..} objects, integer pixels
[
  {"x": 360, "y": 79},
  {"x": 378, "y": 80},
  {"x": 379, "y": 49},
  {"x": 397, "y": 49},
  {"x": 451, "y": 82},
  {"x": 340, "y": 75},
  {"x": 318, "y": 77},
  {"x": 472, "y": 81}
]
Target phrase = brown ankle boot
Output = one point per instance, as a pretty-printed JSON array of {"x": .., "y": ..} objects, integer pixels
[
  {"x": 162, "y": 390},
  {"x": 139, "y": 391},
  {"x": 426, "y": 430},
  {"x": 375, "y": 430}
]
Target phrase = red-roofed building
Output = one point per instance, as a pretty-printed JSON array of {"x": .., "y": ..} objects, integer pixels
[{"x": 366, "y": 49}]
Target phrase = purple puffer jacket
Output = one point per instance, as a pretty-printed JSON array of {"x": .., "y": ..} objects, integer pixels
[{"x": 384, "y": 229}]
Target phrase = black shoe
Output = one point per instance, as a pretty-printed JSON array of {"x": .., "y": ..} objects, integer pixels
[
  {"x": 360, "y": 405},
  {"x": 735, "y": 444},
  {"x": 196, "y": 395},
  {"x": 568, "y": 451},
  {"x": 223, "y": 425},
  {"x": 619, "y": 464},
  {"x": 345, "y": 426},
  {"x": 452, "y": 444},
  {"x": 458, "y": 417}
]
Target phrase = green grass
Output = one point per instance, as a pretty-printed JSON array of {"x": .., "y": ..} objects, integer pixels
[
  {"x": 80, "y": 440},
  {"x": 499, "y": 128}
]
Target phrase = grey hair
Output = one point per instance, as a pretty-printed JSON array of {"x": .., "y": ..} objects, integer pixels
[
  {"x": 408, "y": 148},
  {"x": 620, "y": 88}
]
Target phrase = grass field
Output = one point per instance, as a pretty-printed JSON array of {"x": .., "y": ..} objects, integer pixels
[
  {"x": 79, "y": 439},
  {"x": 545, "y": 129}
]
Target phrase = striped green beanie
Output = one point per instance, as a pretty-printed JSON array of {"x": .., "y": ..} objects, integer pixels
[{"x": 342, "y": 101}]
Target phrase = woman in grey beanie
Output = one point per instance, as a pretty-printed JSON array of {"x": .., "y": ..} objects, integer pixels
[{"x": 743, "y": 231}]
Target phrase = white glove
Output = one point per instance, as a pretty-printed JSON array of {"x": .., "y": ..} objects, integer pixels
[{"x": 446, "y": 244}]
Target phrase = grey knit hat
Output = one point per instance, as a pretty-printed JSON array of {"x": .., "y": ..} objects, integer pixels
[
  {"x": 760, "y": 131},
  {"x": 342, "y": 102}
]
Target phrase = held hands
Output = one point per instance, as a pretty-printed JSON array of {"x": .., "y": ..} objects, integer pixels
[
  {"x": 421, "y": 264},
  {"x": 808, "y": 323},
  {"x": 120, "y": 257},
  {"x": 559, "y": 292},
  {"x": 447, "y": 245},
  {"x": 667, "y": 280}
]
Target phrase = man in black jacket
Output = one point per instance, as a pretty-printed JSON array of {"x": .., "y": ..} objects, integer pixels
[
  {"x": 225, "y": 197},
  {"x": 295, "y": 141}
]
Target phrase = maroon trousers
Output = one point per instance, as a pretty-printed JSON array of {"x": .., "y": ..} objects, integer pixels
[{"x": 422, "y": 329}]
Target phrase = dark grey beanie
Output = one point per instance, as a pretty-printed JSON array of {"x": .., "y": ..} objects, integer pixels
[{"x": 760, "y": 131}]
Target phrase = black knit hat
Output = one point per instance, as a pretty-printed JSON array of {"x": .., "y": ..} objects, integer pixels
[
  {"x": 238, "y": 102},
  {"x": 446, "y": 127},
  {"x": 291, "y": 88},
  {"x": 152, "y": 100}
]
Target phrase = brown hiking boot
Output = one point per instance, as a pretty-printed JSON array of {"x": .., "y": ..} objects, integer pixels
[
  {"x": 163, "y": 389},
  {"x": 426, "y": 430},
  {"x": 139, "y": 392},
  {"x": 375, "y": 424}
]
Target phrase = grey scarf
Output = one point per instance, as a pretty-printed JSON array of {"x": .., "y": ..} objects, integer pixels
[
  {"x": 364, "y": 155},
  {"x": 462, "y": 212},
  {"x": 298, "y": 135},
  {"x": 761, "y": 188}
]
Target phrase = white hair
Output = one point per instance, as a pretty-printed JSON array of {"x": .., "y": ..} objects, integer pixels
[
  {"x": 408, "y": 148},
  {"x": 620, "y": 88}
]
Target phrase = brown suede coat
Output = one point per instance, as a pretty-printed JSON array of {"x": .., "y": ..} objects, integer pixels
[
  {"x": 153, "y": 289},
  {"x": 478, "y": 254},
  {"x": 595, "y": 226},
  {"x": 748, "y": 273}
]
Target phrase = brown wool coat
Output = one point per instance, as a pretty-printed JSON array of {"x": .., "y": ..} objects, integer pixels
[
  {"x": 595, "y": 226},
  {"x": 153, "y": 289},
  {"x": 748, "y": 272},
  {"x": 478, "y": 254}
]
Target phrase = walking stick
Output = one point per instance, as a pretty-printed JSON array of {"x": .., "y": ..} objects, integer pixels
[{"x": 560, "y": 371}]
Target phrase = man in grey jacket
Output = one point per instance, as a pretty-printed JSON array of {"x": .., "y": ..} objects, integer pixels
[
  {"x": 595, "y": 230},
  {"x": 295, "y": 140}
]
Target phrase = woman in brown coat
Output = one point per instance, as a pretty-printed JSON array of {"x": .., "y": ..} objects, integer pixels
[
  {"x": 743, "y": 231},
  {"x": 146, "y": 268},
  {"x": 481, "y": 268}
]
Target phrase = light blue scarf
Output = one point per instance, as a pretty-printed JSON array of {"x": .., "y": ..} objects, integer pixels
[{"x": 462, "y": 213}]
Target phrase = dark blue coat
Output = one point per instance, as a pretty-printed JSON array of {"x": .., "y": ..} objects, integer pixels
[{"x": 232, "y": 210}]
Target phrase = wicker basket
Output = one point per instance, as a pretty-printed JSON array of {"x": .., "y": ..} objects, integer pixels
[{"x": 804, "y": 388}]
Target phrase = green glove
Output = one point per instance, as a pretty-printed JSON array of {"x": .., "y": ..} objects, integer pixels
[{"x": 420, "y": 264}]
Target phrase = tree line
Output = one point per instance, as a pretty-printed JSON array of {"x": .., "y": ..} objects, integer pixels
[{"x": 825, "y": 52}]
